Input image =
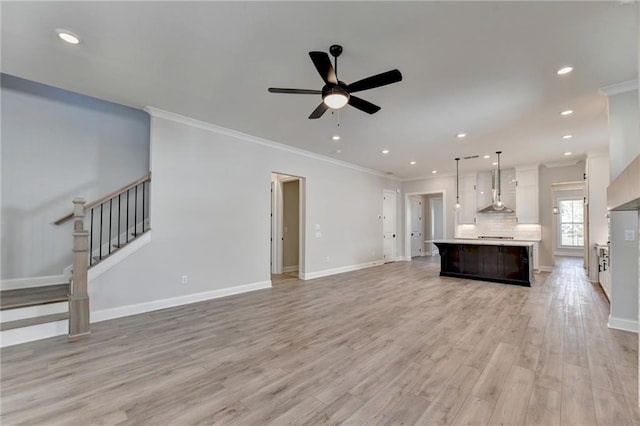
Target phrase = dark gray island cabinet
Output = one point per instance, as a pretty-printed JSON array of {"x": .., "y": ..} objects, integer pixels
[{"x": 503, "y": 262}]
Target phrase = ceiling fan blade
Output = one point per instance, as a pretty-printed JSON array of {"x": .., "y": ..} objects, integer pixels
[
  {"x": 323, "y": 65},
  {"x": 295, "y": 91},
  {"x": 374, "y": 81},
  {"x": 363, "y": 105},
  {"x": 317, "y": 113}
]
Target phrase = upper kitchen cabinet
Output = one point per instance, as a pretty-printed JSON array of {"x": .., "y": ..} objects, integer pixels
[
  {"x": 526, "y": 189},
  {"x": 467, "y": 211},
  {"x": 508, "y": 188}
]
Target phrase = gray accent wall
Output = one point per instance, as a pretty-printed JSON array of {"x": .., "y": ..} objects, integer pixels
[
  {"x": 57, "y": 145},
  {"x": 624, "y": 147}
]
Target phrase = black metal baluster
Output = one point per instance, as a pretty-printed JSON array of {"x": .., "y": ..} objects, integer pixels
[
  {"x": 143, "y": 185},
  {"x": 101, "y": 210},
  {"x": 110, "y": 221},
  {"x": 135, "y": 213},
  {"x": 119, "y": 211},
  {"x": 127, "y": 228},
  {"x": 91, "y": 240}
]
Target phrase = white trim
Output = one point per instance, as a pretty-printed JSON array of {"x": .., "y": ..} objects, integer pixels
[
  {"x": 154, "y": 305},
  {"x": 33, "y": 311},
  {"x": 287, "y": 269},
  {"x": 617, "y": 88},
  {"x": 16, "y": 336},
  {"x": 17, "y": 283},
  {"x": 166, "y": 115},
  {"x": 340, "y": 270},
  {"x": 623, "y": 324},
  {"x": 405, "y": 258},
  {"x": 118, "y": 256},
  {"x": 545, "y": 268},
  {"x": 407, "y": 218}
]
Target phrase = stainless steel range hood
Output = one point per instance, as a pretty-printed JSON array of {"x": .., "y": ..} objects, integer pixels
[{"x": 496, "y": 205}]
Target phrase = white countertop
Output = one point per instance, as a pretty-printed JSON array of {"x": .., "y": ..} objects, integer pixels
[
  {"x": 486, "y": 242},
  {"x": 500, "y": 239}
]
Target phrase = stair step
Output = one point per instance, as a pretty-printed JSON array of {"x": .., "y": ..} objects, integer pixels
[
  {"x": 10, "y": 299},
  {"x": 33, "y": 321}
]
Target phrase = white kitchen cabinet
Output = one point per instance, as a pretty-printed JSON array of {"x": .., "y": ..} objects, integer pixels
[
  {"x": 467, "y": 210},
  {"x": 527, "y": 195}
]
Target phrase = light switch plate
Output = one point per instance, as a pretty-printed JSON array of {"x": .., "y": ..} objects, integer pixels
[{"x": 629, "y": 235}]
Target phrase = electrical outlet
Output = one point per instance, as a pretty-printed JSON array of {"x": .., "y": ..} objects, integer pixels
[
  {"x": 185, "y": 279},
  {"x": 629, "y": 235}
]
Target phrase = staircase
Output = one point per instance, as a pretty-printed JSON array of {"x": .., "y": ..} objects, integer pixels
[
  {"x": 41, "y": 311},
  {"x": 101, "y": 229}
]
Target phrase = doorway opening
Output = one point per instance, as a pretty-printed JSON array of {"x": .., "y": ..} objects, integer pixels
[
  {"x": 426, "y": 222},
  {"x": 570, "y": 218},
  {"x": 287, "y": 227},
  {"x": 389, "y": 233}
]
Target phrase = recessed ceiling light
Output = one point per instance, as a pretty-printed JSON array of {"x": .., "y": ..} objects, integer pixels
[
  {"x": 68, "y": 36},
  {"x": 567, "y": 112},
  {"x": 567, "y": 136},
  {"x": 495, "y": 163},
  {"x": 567, "y": 153},
  {"x": 565, "y": 70},
  {"x": 385, "y": 151},
  {"x": 434, "y": 171},
  {"x": 461, "y": 135},
  {"x": 486, "y": 156},
  {"x": 335, "y": 137},
  {"x": 412, "y": 163},
  {"x": 338, "y": 151}
]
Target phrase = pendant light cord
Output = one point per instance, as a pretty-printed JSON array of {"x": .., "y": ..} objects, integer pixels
[{"x": 457, "y": 181}]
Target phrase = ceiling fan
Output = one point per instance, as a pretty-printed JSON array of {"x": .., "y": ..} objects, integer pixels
[{"x": 335, "y": 93}]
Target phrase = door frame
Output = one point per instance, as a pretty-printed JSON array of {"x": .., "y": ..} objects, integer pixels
[
  {"x": 431, "y": 221},
  {"x": 277, "y": 222},
  {"x": 394, "y": 255},
  {"x": 407, "y": 219}
]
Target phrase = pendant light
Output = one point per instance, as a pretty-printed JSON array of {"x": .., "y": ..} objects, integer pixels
[
  {"x": 457, "y": 183},
  {"x": 499, "y": 205}
]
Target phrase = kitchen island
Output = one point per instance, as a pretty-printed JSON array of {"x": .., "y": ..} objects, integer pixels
[{"x": 508, "y": 262}]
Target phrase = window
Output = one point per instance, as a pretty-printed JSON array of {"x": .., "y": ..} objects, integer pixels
[{"x": 571, "y": 222}]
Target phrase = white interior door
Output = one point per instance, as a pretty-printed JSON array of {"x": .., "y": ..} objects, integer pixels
[
  {"x": 416, "y": 226},
  {"x": 437, "y": 221},
  {"x": 389, "y": 226}
]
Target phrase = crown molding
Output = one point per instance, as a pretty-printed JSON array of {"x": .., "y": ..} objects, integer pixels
[
  {"x": 562, "y": 163},
  {"x": 171, "y": 116},
  {"x": 616, "y": 89},
  {"x": 431, "y": 176}
]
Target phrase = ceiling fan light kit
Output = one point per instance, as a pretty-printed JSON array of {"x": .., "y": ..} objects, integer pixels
[{"x": 335, "y": 93}]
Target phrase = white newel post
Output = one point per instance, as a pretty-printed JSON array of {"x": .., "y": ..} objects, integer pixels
[{"x": 78, "y": 296}]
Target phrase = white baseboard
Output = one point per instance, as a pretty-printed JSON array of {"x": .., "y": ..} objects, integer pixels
[
  {"x": 403, "y": 259},
  {"x": 286, "y": 269},
  {"x": 17, "y": 283},
  {"x": 623, "y": 324},
  {"x": 35, "y": 332},
  {"x": 340, "y": 270},
  {"x": 604, "y": 290},
  {"x": 154, "y": 305},
  {"x": 546, "y": 268},
  {"x": 119, "y": 256}
]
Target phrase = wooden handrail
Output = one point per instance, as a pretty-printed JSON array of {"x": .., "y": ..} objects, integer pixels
[{"x": 101, "y": 200}]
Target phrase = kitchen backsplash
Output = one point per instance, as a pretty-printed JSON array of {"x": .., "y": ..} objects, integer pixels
[{"x": 500, "y": 225}]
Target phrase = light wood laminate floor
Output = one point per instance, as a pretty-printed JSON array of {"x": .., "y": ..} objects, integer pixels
[{"x": 394, "y": 344}]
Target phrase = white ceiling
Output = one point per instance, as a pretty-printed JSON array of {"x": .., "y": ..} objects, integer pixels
[{"x": 484, "y": 68}]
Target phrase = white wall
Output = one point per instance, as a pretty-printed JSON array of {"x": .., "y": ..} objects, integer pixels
[
  {"x": 210, "y": 203},
  {"x": 57, "y": 145},
  {"x": 597, "y": 169},
  {"x": 624, "y": 146}
]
